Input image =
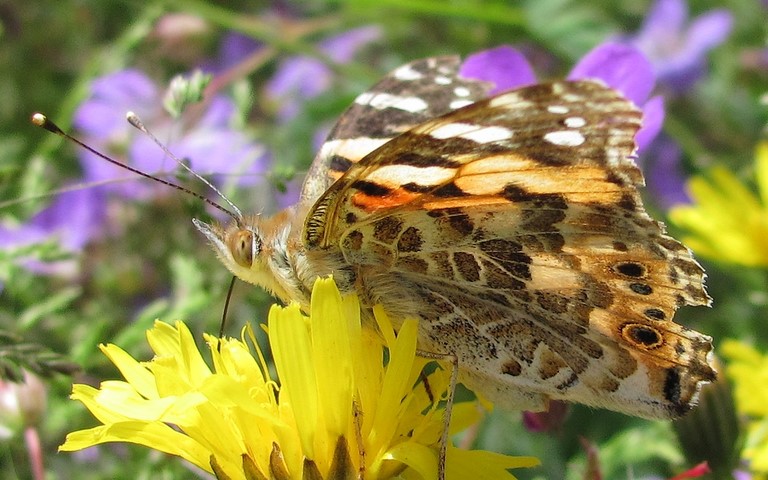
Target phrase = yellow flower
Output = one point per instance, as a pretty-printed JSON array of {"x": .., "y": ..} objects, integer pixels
[
  {"x": 728, "y": 222},
  {"x": 349, "y": 402},
  {"x": 748, "y": 370}
]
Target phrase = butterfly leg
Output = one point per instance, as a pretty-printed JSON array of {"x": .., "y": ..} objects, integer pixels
[{"x": 454, "y": 360}]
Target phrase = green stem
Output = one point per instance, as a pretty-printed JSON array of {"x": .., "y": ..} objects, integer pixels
[
  {"x": 686, "y": 138},
  {"x": 491, "y": 13},
  {"x": 284, "y": 36}
]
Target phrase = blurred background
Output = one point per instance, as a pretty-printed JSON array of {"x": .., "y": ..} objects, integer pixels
[{"x": 93, "y": 254}]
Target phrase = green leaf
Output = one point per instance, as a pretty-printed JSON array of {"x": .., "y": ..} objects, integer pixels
[{"x": 567, "y": 27}]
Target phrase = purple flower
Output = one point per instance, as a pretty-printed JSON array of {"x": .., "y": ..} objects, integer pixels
[
  {"x": 301, "y": 77},
  {"x": 503, "y": 66},
  {"x": 209, "y": 144},
  {"x": 73, "y": 219},
  {"x": 664, "y": 172},
  {"x": 676, "y": 46},
  {"x": 234, "y": 49},
  {"x": 620, "y": 66},
  {"x": 741, "y": 475}
]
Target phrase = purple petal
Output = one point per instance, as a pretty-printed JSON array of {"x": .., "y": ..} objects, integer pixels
[
  {"x": 741, "y": 474},
  {"x": 653, "y": 119},
  {"x": 667, "y": 17},
  {"x": 663, "y": 168},
  {"x": 99, "y": 120},
  {"x": 103, "y": 113},
  {"x": 124, "y": 87},
  {"x": 709, "y": 30},
  {"x": 291, "y": 194},
  {"x": 75, "y": 217},
  {"x": 680, "y": 76},
  {"x": 343, "y": 47},
  {"x": 218, "y": 113},
  {"x": 504, "y": 66},
  {"x": 213, "y": 147},
  {"x": 115, "y": 179},
  {"x": 296, "y": 79},
  {"x": 681, "y": 62},
  {"x": 146, "y": 156},
  {"x": 303, "y": 75},
  {"x": 221, "y": 151},
  {"x": 621, "y": 66},
  {"x": 234, "y": 48},
  {"x": 676, "y": 51}
]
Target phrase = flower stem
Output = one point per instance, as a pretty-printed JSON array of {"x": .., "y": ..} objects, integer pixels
[{"x": 32, "y": 440}]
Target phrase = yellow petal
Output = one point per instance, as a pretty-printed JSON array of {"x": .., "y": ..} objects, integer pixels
[
  {"x": 234, "y": 361},
  {"x": 332, "y": 359},
  {"x": 482, "y": 465},
  {"x": 292, "y": 350},
  {"x": 422, "y": 459},
  {"x": 136, "y": 374},
  {"x": 176, "y": 349},
  {"x": 117, "y": 401},
  {"x": 154, "y": 435},
  {"x": 369, "y": 375},
  {"x": 761, "y": 170},
  {"x": 395, "y": 385}
]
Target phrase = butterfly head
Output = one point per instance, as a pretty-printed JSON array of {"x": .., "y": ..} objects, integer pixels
[{"x": 239, "y": 247}]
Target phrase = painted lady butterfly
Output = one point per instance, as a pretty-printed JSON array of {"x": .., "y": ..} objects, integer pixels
[{"x": 511, "y": 226}]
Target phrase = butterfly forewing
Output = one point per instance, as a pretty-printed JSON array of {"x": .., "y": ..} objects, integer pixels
[
  {"x": 408, "y": 96},
  {"x": 513, "y": 228}
]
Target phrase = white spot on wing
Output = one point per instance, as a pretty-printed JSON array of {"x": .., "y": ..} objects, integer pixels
[
  {"x": 461, "y": 91},
  {"x": 565, "y": 138},
  {"x": 488, "y": 134},
  {"x": 575, "y": 122},
  {"x": 352, "y": 148},
  {"x": 557, "y": 109},
  {"x": 450, "y": 130},
  {"x": 441, "y": 80},
  {"x": 476, "y": 133},
  {"x": 508, "y": 99},
  {"x": 456, "y": 104},
  {"x": 406, "y": 73},
  {"x": 381, "y": 101},
  {"x": 397, "y": 175}
]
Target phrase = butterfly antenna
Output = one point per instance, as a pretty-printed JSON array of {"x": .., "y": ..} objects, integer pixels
[
  {"x": 42, "y": 121},
  {"x": 134, "y": 120}
]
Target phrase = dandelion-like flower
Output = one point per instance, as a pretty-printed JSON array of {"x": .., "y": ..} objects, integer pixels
[
  {"x": 727, "y": 221},
  {"x": 348, "y": 402}
]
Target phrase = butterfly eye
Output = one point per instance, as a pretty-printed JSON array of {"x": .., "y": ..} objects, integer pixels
[{"x": 244, "y": 246}]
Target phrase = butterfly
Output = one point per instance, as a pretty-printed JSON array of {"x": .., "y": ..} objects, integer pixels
[{"x": 510, "y": 226}]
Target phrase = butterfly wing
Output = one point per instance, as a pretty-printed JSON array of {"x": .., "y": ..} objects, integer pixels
[
  {"x": 408, "y": 96},
  {"x": 513, "y": 228}
]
